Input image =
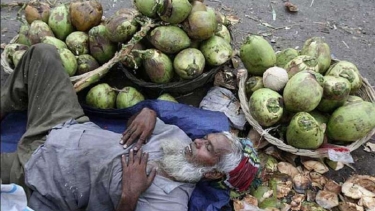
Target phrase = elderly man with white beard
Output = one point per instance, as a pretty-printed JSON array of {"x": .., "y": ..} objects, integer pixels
[{"x": 70, "y": 163}]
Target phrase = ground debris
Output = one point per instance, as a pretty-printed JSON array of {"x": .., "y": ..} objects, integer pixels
[{"x": 290, "y": 7}]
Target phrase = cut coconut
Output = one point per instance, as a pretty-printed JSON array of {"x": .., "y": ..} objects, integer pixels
[
  {"x": 332, "y": 186},
  {"x": 348, "y": 206},
  {"x": 313, "y": 165},
  {"x": 301, "y": 182},
  {"x": 287, "y": 168},
  {"x": 327, "y": 199},
  {"x": 317, "y": 179}
]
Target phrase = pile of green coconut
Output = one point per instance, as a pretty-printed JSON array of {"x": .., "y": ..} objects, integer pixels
[
  {"x": 306, "y": 96},
  {"x": 185, "y": 39}
]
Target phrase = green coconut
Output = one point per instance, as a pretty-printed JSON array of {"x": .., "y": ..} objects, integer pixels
[
  {"x": 128, "y": 96},
  {"x": 200, "y": 25},
  {"x": 223, "y": 31},
  {"x": 351, "y": 122},
  {"x": 59, "y": 21},
  {"x": 78, "y": 42},
  {"x": 17, "y": 55},
  {"x": 11, "y": 48},
  {"x": 285, "y": 56},
  {"x": 197, "y": 6},
  {"x": 37, "y": 10},
  {"x": 169, "y": 39},
  {"x": 305, "y": 132},
  {"x": 266, "y": 106},
  {"x": 303, "y": 92},
  {"x": 167, "y": 97},
  {"x": 101, "y": 48},
  {"x": 189, "y": 63},
  {"x": 335, "y": 92},
  {"x": 38, "y": 30},
  {"x": 121, "y": 27},
  {"x": 86, "y": 63},
  {"x": 68, "y": 61},
  {"x": 174, "y": 11},
  {"x": 317, "y": 48},
  {"x": 252, "y": 84},
  {"x": 352, "y": 99},
  {"x": 349, "y": 71},
  {"x": 257, "y": 55},
  {"x": 147, "y": 7},
  {"x": 54, "y": 41},
  {"x": 320, "y": 116},
  {"x": 23, "y": 34},
  {"x": 216, "y": 50},
  {"x": 301, "y": 63},
  {"x": 85, "y": 14},
  {"x": 158, "y": 65},
  {"x": 101, "y": 96}
]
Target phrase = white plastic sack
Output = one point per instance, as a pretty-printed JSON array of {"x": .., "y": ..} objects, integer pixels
[
  {"x": 223, "y": 100},
  {"x": 13, "y": 198}
]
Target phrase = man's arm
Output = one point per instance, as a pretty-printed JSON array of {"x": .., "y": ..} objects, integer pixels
[
  {"x": 140, "y": 126},
  {"x": 134, "y": 180}
]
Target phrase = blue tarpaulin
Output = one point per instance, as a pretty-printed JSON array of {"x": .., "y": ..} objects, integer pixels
[{"x": 194, "y": 121}]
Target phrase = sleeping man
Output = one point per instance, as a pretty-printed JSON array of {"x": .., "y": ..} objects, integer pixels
[{"x": 69, "y": 163}]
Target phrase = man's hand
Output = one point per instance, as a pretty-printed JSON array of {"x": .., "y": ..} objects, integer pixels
[
  {"x": 134, "y": 179},
  {"x": 140, "y": 127}
]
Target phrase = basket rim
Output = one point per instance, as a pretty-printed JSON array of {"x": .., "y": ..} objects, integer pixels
[
  {"x": 318, "y": 153},
  {"x": 4, "y": 63},
  {"x": 175, "y": 84}
]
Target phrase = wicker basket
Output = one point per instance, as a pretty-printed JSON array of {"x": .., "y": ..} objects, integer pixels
[
  {"x": 366, "y": 92},
  {"x": 4, "y": 63}
]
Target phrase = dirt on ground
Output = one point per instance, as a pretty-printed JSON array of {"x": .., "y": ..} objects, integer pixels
[{"x": 346, "y": 25}]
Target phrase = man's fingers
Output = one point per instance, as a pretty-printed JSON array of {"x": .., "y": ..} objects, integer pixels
[
  {"x": 123, "y": 161},
  {"x": 151, "y": 176},
  {"x": 131, "y": 156},
  {"x": 139, "y": 157},
  {"x": 144, "y": 159}
]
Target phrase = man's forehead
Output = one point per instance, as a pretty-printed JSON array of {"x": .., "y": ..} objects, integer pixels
[{"x": 219, "y": 141}]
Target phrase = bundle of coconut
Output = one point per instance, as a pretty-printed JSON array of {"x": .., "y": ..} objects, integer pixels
[
  {"x": 302, "y": 186},
  {"x": 173, "y": 45},
  {"x": 302, "y": 101}
]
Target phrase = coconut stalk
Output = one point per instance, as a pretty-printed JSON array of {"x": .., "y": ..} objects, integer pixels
[{"x": 85, "y": 80}]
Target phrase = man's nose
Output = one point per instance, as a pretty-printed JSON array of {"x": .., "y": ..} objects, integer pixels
[{"x": 199, "y": 142}]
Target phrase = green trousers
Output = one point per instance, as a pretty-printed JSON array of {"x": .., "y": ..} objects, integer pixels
[{"x": 40, "y": 85}]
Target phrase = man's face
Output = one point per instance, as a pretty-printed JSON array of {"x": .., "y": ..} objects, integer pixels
[
  {"x": 207, "y": 151},
  {"x": 187, "y": 163}
]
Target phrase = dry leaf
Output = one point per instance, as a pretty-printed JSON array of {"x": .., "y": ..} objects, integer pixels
[{"x": 327, "y": 199}]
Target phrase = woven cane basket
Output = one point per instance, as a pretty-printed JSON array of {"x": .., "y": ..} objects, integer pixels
[
  {"x": 4, "y": 63},
  {"x": 366, "y": 92}
]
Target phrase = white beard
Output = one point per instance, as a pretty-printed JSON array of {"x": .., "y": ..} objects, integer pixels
[{"x": 175, "y": 164}]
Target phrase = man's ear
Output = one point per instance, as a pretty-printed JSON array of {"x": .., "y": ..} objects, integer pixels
[{"x": 213, "y": 175}]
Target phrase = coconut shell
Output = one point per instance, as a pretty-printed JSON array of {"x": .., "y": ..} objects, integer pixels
[
  {"x": 37, "y": 10},
  {"x": 23, "y": 34},
  {"x": 169, "y": 39},
  {"x": 69, "y": 61},
  {"x": 101, "y": 96},
  {"x": 39, "y": 29},
  {"x": 158, "y": 66},
  {"x": 120, "y": 28},
  {"x": 59, "y": 21},
  {"x": 78, "y": 42},
  {"x": 86, "y": 63},
  {"x": 101, "y": 48},
  {"x": 85, "y": 14},
  {"x": 128, "y": 97}
]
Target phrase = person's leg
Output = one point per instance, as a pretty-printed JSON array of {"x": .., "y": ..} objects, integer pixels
[{"x": 39, "y": 84}]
